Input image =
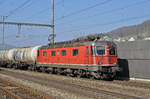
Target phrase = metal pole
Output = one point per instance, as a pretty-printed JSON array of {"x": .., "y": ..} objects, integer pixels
[
  {"x": 19, "y": 31},
  {"x": 53, "y": 27},
  {"x": 3, "y": 39}
]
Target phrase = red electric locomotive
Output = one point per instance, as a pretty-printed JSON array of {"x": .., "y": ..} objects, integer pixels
[{"x": 94, "y": 59}]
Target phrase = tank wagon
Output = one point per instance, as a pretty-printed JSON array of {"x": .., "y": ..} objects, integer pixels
[
  {"x": 19, "y": 57},
  {"x": 93, "y": 59},
  {"x": 4, "y": 56}
]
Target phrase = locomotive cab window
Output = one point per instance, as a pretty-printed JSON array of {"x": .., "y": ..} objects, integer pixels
[
  {"x": 112, "y": 50},
  {"x": 53, "y": 53},
  {"x": 92, "y": 50},
  {"x": 87, "y": 50},
  {"x": 44, "y": 53},
  {"x": 63, "y": 53},
  {"x": 75, "y": 52},
  {"x": 38, "y": 53},
  {"x": 57, "y": 53},
  {"x": 100, "y": 50}
]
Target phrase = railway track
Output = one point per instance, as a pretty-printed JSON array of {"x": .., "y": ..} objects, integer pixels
[
  {"x": 11, "y": 90},
  {"x": 73, "y": 88},
  {"x": 133, "y": 84}
]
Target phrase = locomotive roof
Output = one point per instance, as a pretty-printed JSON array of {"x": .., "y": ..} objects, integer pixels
[{"x": 73, "y": 44}]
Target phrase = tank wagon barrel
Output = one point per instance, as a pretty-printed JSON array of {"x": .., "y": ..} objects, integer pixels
[
  {"x": 27, "y": 55},
  {"x": 4, "y": 57},
  {"x": 19, "y": 56}
]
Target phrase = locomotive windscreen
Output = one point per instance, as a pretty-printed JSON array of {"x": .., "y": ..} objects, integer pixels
[
  {"x": 100, "y": 50},
  {"x": 112, "y": 50}
]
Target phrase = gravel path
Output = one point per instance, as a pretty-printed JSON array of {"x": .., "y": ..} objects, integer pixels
[
  {"x": 138, "y": 89},
  {"x": 47, "y": 90}
]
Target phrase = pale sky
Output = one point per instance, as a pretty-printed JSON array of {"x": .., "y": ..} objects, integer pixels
[{"x": 73, "y": 18}]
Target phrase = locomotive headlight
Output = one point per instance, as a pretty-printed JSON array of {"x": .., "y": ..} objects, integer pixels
[
  {"x": 99, "y": 63},
  {"x": 108, "y": 59},
  {"x": 115, "y": 64}
]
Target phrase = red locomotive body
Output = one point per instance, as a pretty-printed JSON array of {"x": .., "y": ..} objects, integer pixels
[{"x": 96, "y": 59}]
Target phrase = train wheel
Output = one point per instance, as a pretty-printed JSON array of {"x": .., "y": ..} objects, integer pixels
[
  {"x": 42, "y": 69},
  {"x": 92, "y": 77},
  {"x": 107, "y": 77},
  {"x": 50, "y": 72},
  {"x": 30, "y": 68},
  {"x": 79, "y": 75},
  {"x": 69, "y": 75},
  {"x": 58, "y": 71}
]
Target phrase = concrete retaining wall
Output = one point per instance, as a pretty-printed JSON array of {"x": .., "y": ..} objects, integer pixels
[{"x": 134, "y": 58}]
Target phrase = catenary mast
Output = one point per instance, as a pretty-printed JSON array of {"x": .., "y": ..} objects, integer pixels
[{"x": 52, "y": 35}]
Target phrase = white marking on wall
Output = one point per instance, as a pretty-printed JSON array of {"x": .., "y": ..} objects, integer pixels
[{"x": 139, "y": 79}]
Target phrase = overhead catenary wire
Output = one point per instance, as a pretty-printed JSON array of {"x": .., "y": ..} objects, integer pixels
[
  {"x": 105, "y": 12},
  {"x": 14, "y": 11},
  {"x": 60, "y": 2},
  {"x": 29, "y": 4},
  {"x": 107, "y": 23},
  {"x": 38, "y": 13},
  {"x": 90, "y": 16},
  {"x": 43, "y": 10},
  {"x": 83, "y": 10},
  {"x": 17, "y": 8},
  {"x": 25, "y": 7}
]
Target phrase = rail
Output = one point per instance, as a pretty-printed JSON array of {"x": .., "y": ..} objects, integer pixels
[{"x": 27, "y": 90}]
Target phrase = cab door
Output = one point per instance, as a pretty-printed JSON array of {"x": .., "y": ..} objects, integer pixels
[
  {"x": 87, "y": 55},
  {"x": 101, "y": 54},
  {"x": 92, "y": 56}
]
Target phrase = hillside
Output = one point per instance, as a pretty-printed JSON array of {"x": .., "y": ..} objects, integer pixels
[{"x": 139, "y": 31}]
